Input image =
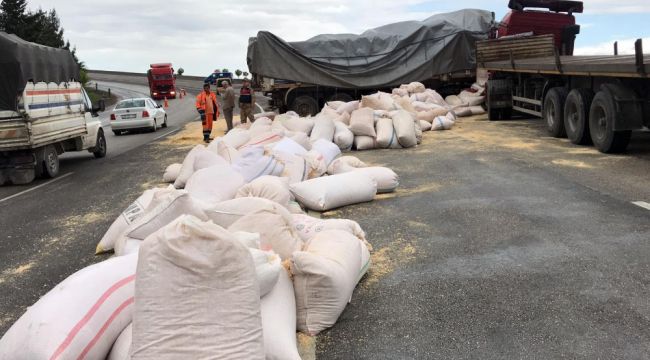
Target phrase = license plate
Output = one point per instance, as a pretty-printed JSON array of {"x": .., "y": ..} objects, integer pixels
[{"x": 129, "y": 116}]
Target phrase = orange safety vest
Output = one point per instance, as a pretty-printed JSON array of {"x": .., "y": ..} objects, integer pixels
[{"x": 201, "y": 101}]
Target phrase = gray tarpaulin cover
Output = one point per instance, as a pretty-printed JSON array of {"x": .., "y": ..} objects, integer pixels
[
  {"x": 21, "y": 61},
  {"x": 389, "y": 55}
]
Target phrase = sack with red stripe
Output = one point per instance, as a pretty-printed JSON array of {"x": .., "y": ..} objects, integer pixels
[{"x": 80, "y": 318}]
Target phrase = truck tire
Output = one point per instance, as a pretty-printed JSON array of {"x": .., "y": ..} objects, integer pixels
[
  {"x": 305, "y": 105},
  {"x": 601, "y": 125},
  {"x": 21, "y": 176},
  {"x": 100, "y": 146},
  {"x": 50, "y": 162},
  {"x": 345, "y": 97},
  {"x": 553, "y": 111},
  {"x": 576, "y": 116}
]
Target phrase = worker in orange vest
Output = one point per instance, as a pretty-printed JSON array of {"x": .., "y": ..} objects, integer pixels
[{"x": 206, "y": 105}]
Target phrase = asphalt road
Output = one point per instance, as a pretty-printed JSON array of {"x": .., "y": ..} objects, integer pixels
[{"x": 503, "y": 243}]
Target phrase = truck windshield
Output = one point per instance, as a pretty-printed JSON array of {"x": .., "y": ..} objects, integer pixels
[
  {"x": 129, "y": 104},
  {"x": 162, "y": 77}
]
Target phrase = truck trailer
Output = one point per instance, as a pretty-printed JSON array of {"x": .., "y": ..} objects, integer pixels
[
  {"x": 44, "y": 111},
  {"x": 162, "y": 81},
  {"x": 595, "y": 100},
  {"x": 302, "y": 76}
]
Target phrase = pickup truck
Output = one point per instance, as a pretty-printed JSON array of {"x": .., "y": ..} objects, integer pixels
[{"x": 44, "y": 112}]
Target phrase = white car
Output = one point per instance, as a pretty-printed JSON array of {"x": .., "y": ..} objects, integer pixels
[{"x": 139, "y": 113}]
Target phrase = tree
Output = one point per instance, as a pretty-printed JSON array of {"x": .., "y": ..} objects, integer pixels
[
  {"x": 245, "y": 74},
  {"x": 41, "y": 27},
  {"x": 238, "y": 73},
  {"x": 180, "y": 71},
  {"x": 224, "y": 70},
  {"x": 12, "y": 16}
]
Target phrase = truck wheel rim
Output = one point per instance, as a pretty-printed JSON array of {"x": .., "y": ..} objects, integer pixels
[
  {"x": 51, "y": 161},
  {"x": 550, "y": 116},
  {"x": 572, "y": 119},
  {"x": 600, "y": 122}
]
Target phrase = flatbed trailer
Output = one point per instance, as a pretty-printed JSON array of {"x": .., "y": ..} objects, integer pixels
[{"x": 589, "y": 99}]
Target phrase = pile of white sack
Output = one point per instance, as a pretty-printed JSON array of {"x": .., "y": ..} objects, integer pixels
[{"x": 225, "y": 263}]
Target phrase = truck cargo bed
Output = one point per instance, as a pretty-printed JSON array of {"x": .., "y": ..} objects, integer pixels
[{"x": 594, "y": 65}]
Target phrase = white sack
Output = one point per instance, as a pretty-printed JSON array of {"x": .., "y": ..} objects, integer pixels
[
  {"x": 303, "y": 125},
  {"x": 454, "y": 100},
  {"x": 295, "y": 167},
  {"x": 425, "y": 125},
  {"x": 268, "y": 187},
  {"x": 214, "y": 184},
  {"x": 343, "y": 118},
  {"x": 387, "y": 180},
  {"x": 428, "y": 116},
  {"x": 335, "y": 104},
  {"x": 275, "y": 228},
  {"x": 378, "y": 101},
  {"x": 227, "y": 212},
  {"x": 364, "y": 143},
  {"x": 316, "y": 164},
  {"x": 122, "y": 346},
  {"x": 323, "y": 129},
  {"x": 290, "y": 146},
  {"x": 328, "y": 149},
  {"x": 385, "y": 133},
  {"x": 279, "y": 321},
  {"x": 128, "y": 216},
  {"x": 325, "y": 275},
  {"x": 235, "y": 138},
  {"x": 264, "y": 138},
  {"x": 415, "y": 87},
  {"x": 348, "y": 107},
  {"x": 81, "y": 317},
  {"x": 442, "y": 123},
  {"x": 227, "y": 152},
  {"x": 196, "y": 275},
  {"x": 463, "y": 111},
  {"x": 271, "y": 115},
  {"x": 302, "y": 139},
  {"x": 334, "y": 191},
  {"x": 253, "y": 163},
  {"x": 345, "y": 164},
  {"x": 362, "y": 122},
  {"x": 187, "y": 168},
  {"x": 343, "y": 137},
  {"x": 158, "y": 216},
  {"x": 171, "y": 173},
  {"x": 404, "y": 128},
  {"x": 267, "y": 269},
  {"x": 477, "y": 110}
]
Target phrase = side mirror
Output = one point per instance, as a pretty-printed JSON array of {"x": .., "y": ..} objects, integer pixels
[{"x": 101, "y": 106}]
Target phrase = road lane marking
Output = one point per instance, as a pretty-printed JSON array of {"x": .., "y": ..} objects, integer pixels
[
  {"x": 36, "y": 187},
  {"x": 166, "y": 134},
  {"x": 642, "y": 204}
]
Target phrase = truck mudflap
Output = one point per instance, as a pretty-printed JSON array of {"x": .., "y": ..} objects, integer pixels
[
  {"x": 629, "y": 107},
  {"x": 17, "y": 167}
]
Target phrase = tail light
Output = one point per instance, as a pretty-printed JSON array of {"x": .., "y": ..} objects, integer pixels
[
  {"x": 112, "y": 116},
  {"x": 145, "y": 114}
]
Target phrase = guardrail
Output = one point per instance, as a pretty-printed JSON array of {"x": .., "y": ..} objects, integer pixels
[{"x": 190, "y": 83}]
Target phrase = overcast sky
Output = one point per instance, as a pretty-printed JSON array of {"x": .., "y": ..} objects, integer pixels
[{"x": 201, "y": 36}]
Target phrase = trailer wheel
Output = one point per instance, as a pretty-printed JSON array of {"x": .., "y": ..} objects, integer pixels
[
  {"x": 345, "y": 97},
  {"x": 305, "y": 105},
  {"x": 576, "y": 116},
  {"x": 50, "y": 162},
  {"x": 601, "y": 125},
  {"x": 553, "y": 111}
]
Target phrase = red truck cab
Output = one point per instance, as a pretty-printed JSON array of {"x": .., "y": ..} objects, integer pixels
[
  {"x": 162, "y": 81},
  {"x": 557, "y": 20}
]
